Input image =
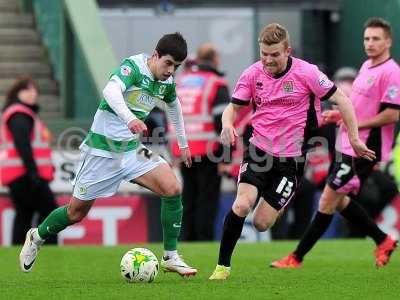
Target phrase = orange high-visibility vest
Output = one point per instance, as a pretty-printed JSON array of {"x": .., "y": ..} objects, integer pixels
[
  {"x": 11, "y": 164},
  {"x": 196, "y": 92}
]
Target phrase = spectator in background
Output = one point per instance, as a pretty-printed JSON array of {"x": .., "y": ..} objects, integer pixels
[
  {"x": 204, "y": 94},
  {"x": 26, "y": 166},
  {"x": 344, "y": 78}
]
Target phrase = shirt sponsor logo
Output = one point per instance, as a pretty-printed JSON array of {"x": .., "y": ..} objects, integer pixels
[
  {"x": 288, "y": 86},
  {"x": 286, "y": 101},
  {"x": 146, "y": 100},
  {"x": 126, "y": 70},
  {"x": 259, "y": 85},
  {"x": 324, "y": 81},
  {"x": 393, "y": 92}
]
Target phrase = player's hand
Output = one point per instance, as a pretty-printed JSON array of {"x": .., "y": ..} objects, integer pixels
[
  {"x": 137, "y": 126},
  {"x": 362, "y": 150},
  {"x": 186, "y": 157},
  {"x": 331, "y": 116},
  {"x": 228, "y": 136}
]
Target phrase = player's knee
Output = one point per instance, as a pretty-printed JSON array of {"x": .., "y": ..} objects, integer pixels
[
  {"x": 342, "y": 204},
  {"x": 326, "y": 206},
  {"x": 172, "y": 189},
  {"x": 241, "y": 207},
  {"x": 261, "y": 226}
]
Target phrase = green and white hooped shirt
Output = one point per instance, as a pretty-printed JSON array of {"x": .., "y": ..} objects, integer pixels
[{"x": 109, "y": 135}]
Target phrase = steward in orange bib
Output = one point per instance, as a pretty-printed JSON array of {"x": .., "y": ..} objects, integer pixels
[
  {"x": 204, "y": 94},
  {"x": 25, "y": 157}
]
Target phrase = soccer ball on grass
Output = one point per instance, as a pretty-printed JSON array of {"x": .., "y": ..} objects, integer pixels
[{"x": 139, "y": 265}]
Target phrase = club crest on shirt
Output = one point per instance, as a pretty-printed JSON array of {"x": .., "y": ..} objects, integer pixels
[
  {"x": 288, "y": 86},
  {"x": 370, "y": 80},
  {"x": 161, "y": 89},
  {"x": 257, "y": 100}
]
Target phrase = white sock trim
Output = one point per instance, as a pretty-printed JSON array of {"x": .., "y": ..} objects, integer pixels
[
  {"x": 36, "y": 237},
  {"x": 170, "y": 253}
]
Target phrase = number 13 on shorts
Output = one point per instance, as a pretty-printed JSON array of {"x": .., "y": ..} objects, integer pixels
[{"x": 285, "y": 187}]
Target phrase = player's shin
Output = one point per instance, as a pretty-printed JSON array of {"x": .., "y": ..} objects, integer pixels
[
  {"x": 313, "y": 233},
  {"x": 232, "y": 230},
  {"x": 355, "y": 214},
  {"x": 171, "y": 219},
  {"x": 55, "y": 222}
]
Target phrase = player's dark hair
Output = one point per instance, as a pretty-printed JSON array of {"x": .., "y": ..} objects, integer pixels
[
  {"x": 172, "y": 44},
  {"x": 380, "y": 23}
]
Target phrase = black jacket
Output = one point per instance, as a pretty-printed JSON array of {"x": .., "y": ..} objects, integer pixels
[{"x": 21, "y": 126}]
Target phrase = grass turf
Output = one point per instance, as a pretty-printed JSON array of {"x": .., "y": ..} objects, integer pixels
[{"x": 336, "y": 269}]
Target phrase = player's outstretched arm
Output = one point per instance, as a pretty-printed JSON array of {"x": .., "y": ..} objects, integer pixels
[
  {"x": 228, "y": 133},
  {"x": 349, "y": 118}
]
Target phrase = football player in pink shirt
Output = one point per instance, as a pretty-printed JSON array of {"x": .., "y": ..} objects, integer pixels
[
  {"x": 285, "y": 92},
  {"x": 376, "y": 99}
]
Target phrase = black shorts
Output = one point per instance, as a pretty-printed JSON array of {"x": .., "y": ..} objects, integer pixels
[
  {"x": 348, "y": 173},
  {"x": 276, "y": 178}
]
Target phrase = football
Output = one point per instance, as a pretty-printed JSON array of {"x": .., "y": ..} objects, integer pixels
[{"x": 139, "y": 265}]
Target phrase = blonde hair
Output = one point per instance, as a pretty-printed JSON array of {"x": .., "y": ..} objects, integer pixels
[{"x": 274, "y": 33}]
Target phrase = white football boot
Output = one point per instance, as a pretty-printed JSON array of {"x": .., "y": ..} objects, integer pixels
[
  {"x": 176, "y": 264},
  {"x": 29, "y": 251}
]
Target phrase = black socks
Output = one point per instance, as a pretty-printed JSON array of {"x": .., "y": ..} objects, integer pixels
[
  {"x": 313, "y": 233},
  {"x": 355, "y": 214},
  {"x": 232, "y": 230}
]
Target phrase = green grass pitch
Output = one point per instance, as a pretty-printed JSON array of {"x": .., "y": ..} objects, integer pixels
[{"x": 336, "y": 269}]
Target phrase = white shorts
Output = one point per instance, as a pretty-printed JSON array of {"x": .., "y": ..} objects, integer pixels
[{"x": 98, "y": 176}]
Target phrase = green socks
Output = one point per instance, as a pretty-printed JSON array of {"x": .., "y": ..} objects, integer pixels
[
  {"x": 55, "y": 222},
  {"x": 171, "y": 219}
]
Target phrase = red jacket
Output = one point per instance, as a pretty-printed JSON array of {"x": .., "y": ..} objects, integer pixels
[{"x": 196, "y": 92}]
